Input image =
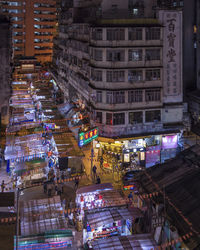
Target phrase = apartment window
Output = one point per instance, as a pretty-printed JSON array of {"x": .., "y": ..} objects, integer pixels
[
  {"x": 14, "y": 18},
  {"x": 43, "y": 33},
  {"x": 115, "y": 76},
  {"x": 135, "y": 75},
  {"x": 17, "y": 26},
  {"x": 152, "y": 54},
  {"x": 118, "y": 97},
  {"x": 135, "y": 55},
  {"x": 152, "y": 75},
  {"x": 135, "y": 117},
  {"x": 115, "y": 97},
  {"x": 99, "y": 96},
  {"x": 109, "y": 119},
  {"x": 97, "y": 34},
  {"x": 14, "y": 4},
  {"x": 135, "y": 96},
  {"x": 152, "y": 95},
  {"x": 36, "y": 26},
  {"x": 17, "y": 33},
  {"x": 152, "y": 33},
  {"x": 99, "y": 117},
  {"x": 44, "y": 12},
  {"x": 17, "y": 48},
  {"x": 152, "y": 116},
  {"x": 18, "y": 41},
  {"x": 96, "y": 75},
  {"x": 115, "y": 34},
  {"x": 14, "y": 11},
  {"x": 109, "y": 97},
  {"x": 118, "y": 118},
  {"x": 98, "y": 55},
  {"x": 115, "y": 55},
  {"x": 114, "y": 7},
  {"x": 135, "y": 33},
  {"x": 135, "y": 11}
]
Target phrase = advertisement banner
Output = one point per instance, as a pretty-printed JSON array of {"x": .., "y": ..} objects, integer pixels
[
  {"x": 170, "y": 141},
  {"x": 152, "y": 158}
]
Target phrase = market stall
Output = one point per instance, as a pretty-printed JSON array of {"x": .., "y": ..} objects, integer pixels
[
  {"x": 98, "y": 196},
  {"x": 39, "y": 216},
  {"x": 136, "y": 242},
  {"x": 26, "y": 155},
  {"x": 43, "y": 225},
  {"x": 108, "y": 222}
]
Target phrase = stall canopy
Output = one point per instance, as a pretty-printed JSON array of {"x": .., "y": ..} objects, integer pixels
[
  {"x": 67, "y": 145},
  {"x": 94, "y": 188},
  {"x": 39, "y": 216},
  {"x": 136, "y": 242},
  {"x": 110, "y": 215}
]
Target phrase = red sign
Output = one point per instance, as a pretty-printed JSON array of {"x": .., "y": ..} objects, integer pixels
[
  {"x": 91, "y": 134},
  {"x": 152, "y": 158},
  {"x": 86, "y": 136}
]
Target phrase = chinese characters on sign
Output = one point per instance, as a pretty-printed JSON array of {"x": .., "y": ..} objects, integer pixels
[
  {"x": 86, "y": 137},
  {"x": 172, "y": 53}
]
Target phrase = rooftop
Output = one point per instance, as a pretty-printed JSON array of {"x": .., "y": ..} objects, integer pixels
[{"x": 179, "y": 178}]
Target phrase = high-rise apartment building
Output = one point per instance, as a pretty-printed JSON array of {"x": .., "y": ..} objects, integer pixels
[
  {"x": 34, "y": 25},
  {"x": 123, "y": 59},
  {"x": 5, "y": 68}
]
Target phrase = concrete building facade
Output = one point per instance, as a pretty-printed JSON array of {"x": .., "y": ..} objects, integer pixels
[
  {"x": 124, "y": 59},
  {"x": 5, "y": 68},
  {"x": 34, "y": 25}
]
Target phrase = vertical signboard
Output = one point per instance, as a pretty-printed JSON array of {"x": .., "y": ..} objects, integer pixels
[{"x": 172, "y": 55}]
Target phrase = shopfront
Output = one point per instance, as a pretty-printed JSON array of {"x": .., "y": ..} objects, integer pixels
[
  {"x": 169, "y": 147},
  {"x": 136, "y": 153}
]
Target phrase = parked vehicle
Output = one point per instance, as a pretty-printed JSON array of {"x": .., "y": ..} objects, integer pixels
[{"x": 128, "y": 179}]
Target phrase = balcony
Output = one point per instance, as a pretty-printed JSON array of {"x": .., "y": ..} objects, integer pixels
[
  {"x": 127, "y": 106},
  {"x": 81, "y": 85},
  {"x": 126, "y": 43},
  {"x": 126, "y": 64},
  {"x": 129, "y": 130}
]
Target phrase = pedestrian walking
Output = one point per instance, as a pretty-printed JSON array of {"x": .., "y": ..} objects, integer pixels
[
  {"x": 101, "y": 162},
  {"x": 45, "y": 187},
  {"x": 76, "y": 183},
  {"x": 56, "y": 188},
  {"x": 98, "y": 180},
  {"x": 3, "y": 186},
  {"x": 49, "y": 190},
  {"x": 63, "y": 177},
  {"x": 94, "y": 170},
  {"x": 71, "y": 219},
  {"x": 62, "y": 188},
  {"x": 59, "y": 190},
  {"x": 14, "y": 185},
  {"x": 130, "y": 197}
]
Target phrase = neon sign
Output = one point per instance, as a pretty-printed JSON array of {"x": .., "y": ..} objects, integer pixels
[{"x": 86, "y": 137}]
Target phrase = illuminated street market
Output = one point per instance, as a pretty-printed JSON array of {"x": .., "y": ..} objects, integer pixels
[{"x": 99, "y": 125}]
